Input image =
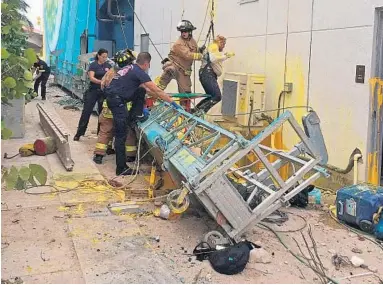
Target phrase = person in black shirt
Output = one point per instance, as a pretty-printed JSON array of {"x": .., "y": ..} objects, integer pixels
[
  {"x": 43, "y": 71},
  {"x": 130, "y": 84},
  {"x": 94, "y": 94}
]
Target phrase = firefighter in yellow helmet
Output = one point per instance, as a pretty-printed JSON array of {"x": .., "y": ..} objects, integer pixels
[
  {"x": 211, "y": 69},
  {"x": 181, "y": 57},
  {"x": 105, "y": 136}
]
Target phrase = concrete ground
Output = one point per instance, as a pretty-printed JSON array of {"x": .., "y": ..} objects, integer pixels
[{"x": 73, "y": 237}]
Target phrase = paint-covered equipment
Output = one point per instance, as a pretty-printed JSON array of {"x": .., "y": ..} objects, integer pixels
[
  {"x": 361, "y": 205},
  {"x": 174, "y": 136}
]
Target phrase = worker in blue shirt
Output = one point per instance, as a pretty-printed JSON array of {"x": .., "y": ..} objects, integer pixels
[
  {"x": 43, "y": 71},
  {"x": 130, "y": 84},
  {"x": 94, "y": 94}
]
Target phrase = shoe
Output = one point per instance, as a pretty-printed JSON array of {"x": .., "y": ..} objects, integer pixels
[
  {"x": 130, "y": 159},
  {"x": 98, "y": 158},
  {"x": 142, "y": 118},
  {"x": 125, "y": 171},
  {"x": 44, "y": 99},
  {"x": 76, "y": 138},
  {"x": 110, "y": 151}
]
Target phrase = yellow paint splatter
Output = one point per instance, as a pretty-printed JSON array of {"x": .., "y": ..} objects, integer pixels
[
  {"x": 63, "y": 208},
  {"x": 29, "y": 269},
  {"x": 95, "y": 240}
]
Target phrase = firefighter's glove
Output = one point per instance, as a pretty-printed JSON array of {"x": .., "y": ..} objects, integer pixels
[{"x": 229, "y": 54}]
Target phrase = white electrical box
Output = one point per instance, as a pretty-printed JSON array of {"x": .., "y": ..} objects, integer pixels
[{"x": 243, "y": 94}]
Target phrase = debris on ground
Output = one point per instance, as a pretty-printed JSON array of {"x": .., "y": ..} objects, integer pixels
[
  {"x": 357, "y": 261},
  {"x": 339, "y": 261},
  {"x": 356, "y": 275},
  {"x": 70, "y": 103},
  {"x": 372, "y": 269},
  {"x": 357, "y": 250},
  {"x": 16, "y": 280},
  {"x": 164, "y": 212},
  {"x": 259, "y": 255},
  {"x": 125, "y": 208}
]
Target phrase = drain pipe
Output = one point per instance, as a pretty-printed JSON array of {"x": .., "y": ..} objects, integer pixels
[
  {"x": 349, "y": 166},
  {"x": 111, "y": 15},
  {"x": 357, "y": 156},
  {"x": 98, "y": 14}
]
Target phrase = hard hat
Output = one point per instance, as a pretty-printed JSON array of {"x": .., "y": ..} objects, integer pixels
[
  {"x": 124, "y": 57},
  {"x": 185, "y": 26}
]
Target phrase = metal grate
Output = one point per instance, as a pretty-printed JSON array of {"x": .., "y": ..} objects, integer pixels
[{"x": 229, "y": 97}]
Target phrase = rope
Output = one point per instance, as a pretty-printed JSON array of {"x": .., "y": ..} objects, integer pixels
[
  {"x": 122, "y": 28},
  {"x": 204, "y": 21},
  {"x": 131, "y": 6}
]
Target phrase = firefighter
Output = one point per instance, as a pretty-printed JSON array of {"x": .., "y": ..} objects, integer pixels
[
  {"x": 211, "y": 69},
  {"x": 104, "y": 144},
  {"x": 130, "y": 84},
  {"x": 181, "y": 56},
  {"x": 94, "y": 94}
]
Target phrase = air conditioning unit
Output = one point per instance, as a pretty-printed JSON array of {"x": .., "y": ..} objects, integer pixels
[{"x": 242, "y": 95}]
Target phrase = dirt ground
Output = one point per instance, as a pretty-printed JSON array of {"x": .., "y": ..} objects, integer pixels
[{"x": 177, "y": 238}]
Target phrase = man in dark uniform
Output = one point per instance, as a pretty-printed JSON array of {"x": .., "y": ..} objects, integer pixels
[
  {"x": 130, "y": 85},
  {"x": 43, "y": 71}
]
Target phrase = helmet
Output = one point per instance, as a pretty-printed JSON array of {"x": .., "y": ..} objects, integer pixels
[
  {"x": 124, "y": 57},
  {"x": 185, "y": 26}
]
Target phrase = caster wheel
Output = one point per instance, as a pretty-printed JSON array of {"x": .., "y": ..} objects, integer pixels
[
  {"x": 215, "y": 238},
  {"x": 178, "y": 201}
]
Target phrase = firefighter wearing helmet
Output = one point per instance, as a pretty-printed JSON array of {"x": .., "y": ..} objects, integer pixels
[
  {"x": 104, "y": 143},
  {"x": 181, "y": 57}
]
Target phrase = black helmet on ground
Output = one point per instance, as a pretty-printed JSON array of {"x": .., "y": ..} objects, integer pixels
[{"x": 185, "y": 26}]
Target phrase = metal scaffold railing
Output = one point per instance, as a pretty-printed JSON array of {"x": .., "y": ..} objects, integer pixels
[{"x": 189, "y": 148}]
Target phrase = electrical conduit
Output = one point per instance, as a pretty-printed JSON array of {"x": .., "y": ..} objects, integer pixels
[{"x": 357, "y": 156}]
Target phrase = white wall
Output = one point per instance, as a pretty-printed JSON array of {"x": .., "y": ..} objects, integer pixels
[{"x": 340, "y": 33}]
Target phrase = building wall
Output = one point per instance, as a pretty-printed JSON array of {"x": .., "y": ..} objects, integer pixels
[{"x": 315, "y": 44}]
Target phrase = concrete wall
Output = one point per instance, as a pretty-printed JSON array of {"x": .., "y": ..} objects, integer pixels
[
  {"x": 13, "y": 116},
  {"x": 316, "y": 44}
]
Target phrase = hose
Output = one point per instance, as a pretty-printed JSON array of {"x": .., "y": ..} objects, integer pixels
[{"x": 10, "y": 157}]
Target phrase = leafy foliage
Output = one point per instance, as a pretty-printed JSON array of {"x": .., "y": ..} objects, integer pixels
[
  {"x": 16, "y": 59},
  {"x": 22, "y": 178}
]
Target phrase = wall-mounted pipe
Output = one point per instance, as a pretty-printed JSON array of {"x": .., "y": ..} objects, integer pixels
[
  {"x": 98, "y": 14},
  {"x": 111, "y": 15},
  {"x": 348, "y": 168},
  {"x": 356, "y": 158}
]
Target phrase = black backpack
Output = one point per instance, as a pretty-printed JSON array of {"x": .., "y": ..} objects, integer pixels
[{"x": 230, "y": 260}]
